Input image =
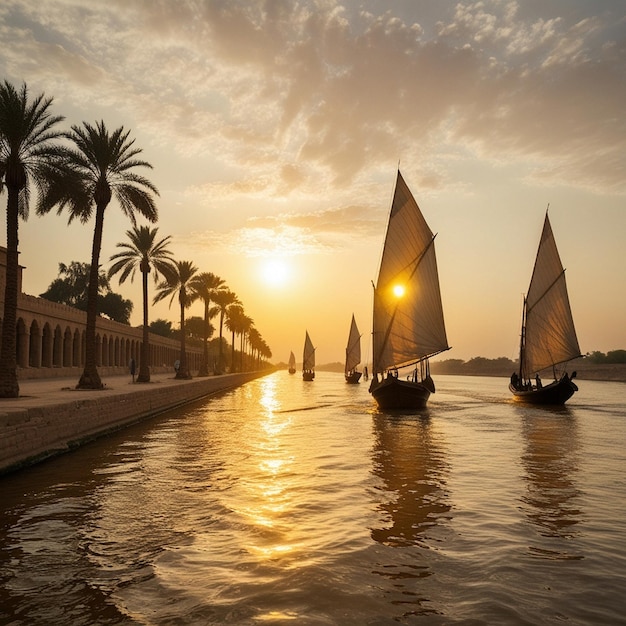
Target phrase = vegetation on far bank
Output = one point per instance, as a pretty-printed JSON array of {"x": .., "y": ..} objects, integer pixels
[{"x": 594, "y": 365}]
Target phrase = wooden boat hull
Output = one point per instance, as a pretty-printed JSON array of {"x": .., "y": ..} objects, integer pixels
[
  {"x": 308, "y": 375},
  {"x": 395, "y": 393},
  {"x": 558, "y": 392},
  {"x": 292, "y": 370},
  {"x": 353, "y": 377}
]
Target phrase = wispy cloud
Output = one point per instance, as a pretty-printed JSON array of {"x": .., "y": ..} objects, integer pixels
[{"x": 310, "y": 90}]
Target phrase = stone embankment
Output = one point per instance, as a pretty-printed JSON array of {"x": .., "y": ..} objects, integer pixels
[{"x": 51, "y": 416}]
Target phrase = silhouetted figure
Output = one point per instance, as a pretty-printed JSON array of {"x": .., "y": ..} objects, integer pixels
[{"x": 131, "y": 367}]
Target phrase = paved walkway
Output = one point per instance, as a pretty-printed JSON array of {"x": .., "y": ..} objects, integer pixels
[{"x": 43, "y": 392}]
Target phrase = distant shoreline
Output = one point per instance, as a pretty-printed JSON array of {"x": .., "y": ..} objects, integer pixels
[{"x": 610, "y": 372}]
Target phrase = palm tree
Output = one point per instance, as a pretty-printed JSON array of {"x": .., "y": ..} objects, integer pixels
[
  {"x": 29, "y": 155},
  {"x": 223, "y": 299},
  {"x": 234, "y": 318},
  {"x": 102, "y": 164},
  {"x": 205, "y": 285},
  {"x": 178, "y": 282},
  {"x": 143, "y": 252},
  {"x": 246, "y": 325}
]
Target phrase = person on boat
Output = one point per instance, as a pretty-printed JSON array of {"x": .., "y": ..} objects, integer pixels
[
  {"x": 514, "y": 380},
  {"x": 538, "y": 381}
]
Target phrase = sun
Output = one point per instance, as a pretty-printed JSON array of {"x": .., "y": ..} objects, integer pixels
[
  {"x": 398, "y": 291},
  {"x": 275, "y": 272}
]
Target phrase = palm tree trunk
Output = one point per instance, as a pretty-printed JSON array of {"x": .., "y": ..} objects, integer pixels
[
  {"x": 182, "y": 372},
  {"x": 9, "y": 386},
  {"x": 221, "y": 356},
  {"x": 144, "y": 362},
  {"x": 232, "y": 354},
  {"x": 90, "y": 378},
  {"x": 204, "y": 366}
]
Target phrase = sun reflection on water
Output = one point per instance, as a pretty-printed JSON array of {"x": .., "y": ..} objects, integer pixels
[{"x": 269, "y": 490}]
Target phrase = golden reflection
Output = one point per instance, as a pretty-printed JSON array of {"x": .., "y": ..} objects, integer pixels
[
  {"x": 413, "y": 470},
  {"x": 550, "y": 460},
  {"x": 268, "y": 497}
]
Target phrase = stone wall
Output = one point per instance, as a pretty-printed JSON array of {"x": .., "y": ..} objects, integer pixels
[
  {"x": 35, "y": 433},
  {"x": 51, "y": 337}
]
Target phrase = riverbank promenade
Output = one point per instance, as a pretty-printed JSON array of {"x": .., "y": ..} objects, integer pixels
[{"x": 51, "y": 416}]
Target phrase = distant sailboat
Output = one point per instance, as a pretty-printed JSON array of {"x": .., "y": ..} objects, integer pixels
[
  {"x": 548, "y": 335},
  {"x": 408, "y": 324},
  {"x": 292, "y": 363},
  {"x": 353, "y": 354},
  {"x": 308, "y": 359}
]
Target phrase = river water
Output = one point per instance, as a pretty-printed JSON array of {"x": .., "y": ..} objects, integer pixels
[{"x": 286, "y": 502}]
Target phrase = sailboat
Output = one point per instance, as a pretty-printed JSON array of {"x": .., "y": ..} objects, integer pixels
[
  {"x": 408, "y": 324},
  {"x": 353, "y": 354},
  {"x": 308, "y": 359},
  {"x": 292, "y": 363},
  {"x": 548, "y": 336}
]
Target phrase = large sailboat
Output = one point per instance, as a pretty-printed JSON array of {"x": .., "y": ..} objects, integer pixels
[
  {"x": 408, "y": 325},
  {"x": 353, "y": 354},
  {"x": 308, "y": 359},
  {"x": 548, "y": 336},
  {"x": 292, "y": 363}
]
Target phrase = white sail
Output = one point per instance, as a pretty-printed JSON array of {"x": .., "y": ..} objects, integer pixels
[
  {"x": 353, "y": 349},
  {"x": 308, "y": 358},
  {"x": 549, "y": 336},
  {"x": 292, "y": 360},
  {"x": 408, "y": 323}
]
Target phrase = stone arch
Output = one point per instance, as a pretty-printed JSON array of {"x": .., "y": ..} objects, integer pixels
[
  {"x": 76, "y": 352},
  {"x": 35, "y": 345},
  {"x": 57, "y": 349},
  {"x": 47, "y": 346},
  {"x": 67, "y": 347},
  {"x": 22, "y": 348},
  {"x": 105, "y": 350}
]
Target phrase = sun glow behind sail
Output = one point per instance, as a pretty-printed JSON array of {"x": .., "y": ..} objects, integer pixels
[{"x": 408, "y": 319}]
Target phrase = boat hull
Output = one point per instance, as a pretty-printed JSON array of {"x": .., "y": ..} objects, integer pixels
[
  {"x": 308, "y": 375},
  {"x": 394, "y": 393},
  {"x": 292, "y": 370},
  {"x": 353, "y": 377},
  {"x": 558, "y": 392}
]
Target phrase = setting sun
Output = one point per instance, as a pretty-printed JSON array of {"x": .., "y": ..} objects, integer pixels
[
  {"x": 398, "y": 291},
  {"x": 275, "y": 273}
]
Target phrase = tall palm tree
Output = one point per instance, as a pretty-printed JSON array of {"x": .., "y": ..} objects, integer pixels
[
  {"x": 102, "y": 165},
  {"x": 246, "y": 323},
  {"x": 205, "y": 285},
  {"x": 234, "y": 319},
  {"x": 145, "y": 253},
  {"x": 178, "y": 283},
  {"x": 29, "y": 154},
  {"x": 223, "y": 299}
]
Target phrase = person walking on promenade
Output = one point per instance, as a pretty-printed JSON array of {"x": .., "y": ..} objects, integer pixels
[{"x": 131, "y": 367}]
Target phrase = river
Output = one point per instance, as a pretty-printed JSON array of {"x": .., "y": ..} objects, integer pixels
[{"x": 287, "y": 502}]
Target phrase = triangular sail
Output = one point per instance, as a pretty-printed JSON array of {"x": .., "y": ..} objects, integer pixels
[
  {"x": 292, "y": 360},
  {"x": 408, "y": 327},
  {"x": 353, "y": 349},
  {"x": 308, "y": 358},
  {"x": 549, "y": 336}
]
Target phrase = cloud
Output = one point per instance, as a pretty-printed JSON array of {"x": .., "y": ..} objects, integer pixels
[
  {"x": 315, "y": 233},
  {"x": 298, "y": 92}
]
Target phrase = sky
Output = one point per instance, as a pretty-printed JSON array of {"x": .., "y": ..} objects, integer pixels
[{"x": 275, "y": 129}]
